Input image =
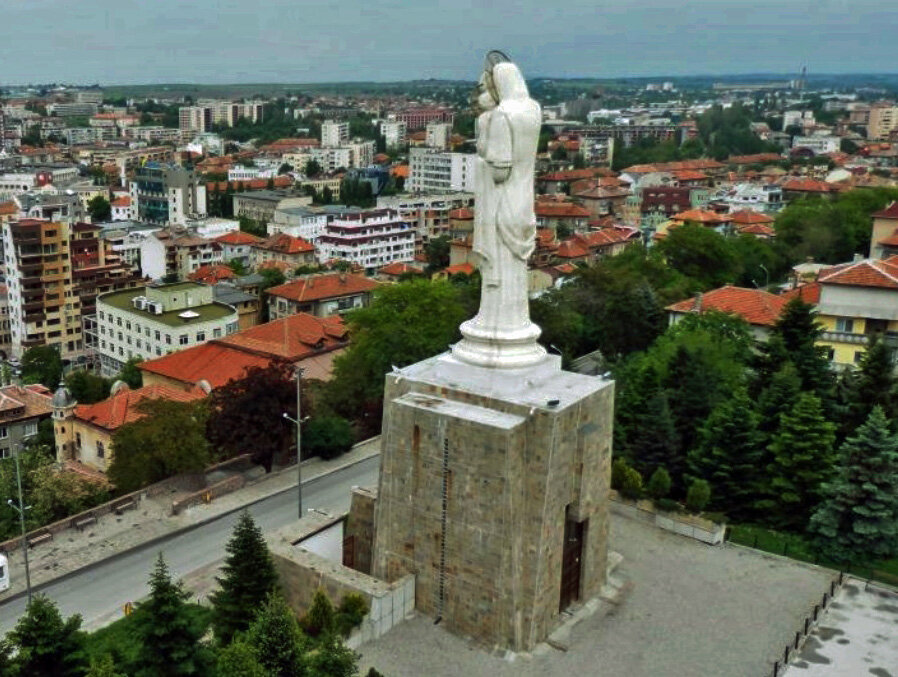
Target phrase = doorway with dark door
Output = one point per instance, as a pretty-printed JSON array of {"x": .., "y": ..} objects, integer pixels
[{"x": 571, "y": 561}]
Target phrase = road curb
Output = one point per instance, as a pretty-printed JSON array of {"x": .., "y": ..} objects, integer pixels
[{"x": 181, "y": 530}]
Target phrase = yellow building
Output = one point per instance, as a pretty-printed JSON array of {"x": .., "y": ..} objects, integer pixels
[
  {"x": 84, "y": 432},
  {"x": 854, "y": 302}
]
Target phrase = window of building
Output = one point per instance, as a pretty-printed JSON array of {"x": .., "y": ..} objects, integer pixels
[
  {"x": 139, "y": 343},
  {"x": 858, "y": 356},
  {"x": 168, "y": 339},
  {"x": 200, "y": 336},
  {"x": 216, "y": 333},
  {"x": 77, "y": 440},
  {"x": 121, "y": 351},
  {"x": 101, "y": 451},
  {"x": 128, "y": 326},
  {"x": 4, "y": 453},
  {"x": 158, "y": 350},
  {"x": 158, "y": 335},
  {"x": 4, "y": 432},
  {"x": 845, "y": 324},
  {"x": 830, "y": 354},
  {"x": 183, "y": 339},
  {"x": 30, "y": 428},
  {"x": 118, "y": 321},
  {"x": 102, "y": 315}
]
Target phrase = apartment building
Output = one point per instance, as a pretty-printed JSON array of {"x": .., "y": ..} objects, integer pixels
[
  {"x": 283, "y": 248},
  {"x": 54, "y": 273},
  {"x": 818, "y": 145},
  {"x": 167, "y": 194},
  {"x": 395, "y": 133},
  {"x": 195, "y": 119},
  {"x": 433, "y": 171},
  {"x": 24, "y": 407},
  {"x": 370, "y": 239},
  {"x": 334, "y": 133},
  {"x": 418, "y": 118},
  {"x": 883, "y": 118},
  {"x": 176, "y": 253},
  {"x": 430, "y": 215},
  {"x": 438, "y": 135},
  {"x": 320, "y": 295},
  {"x": 153, "y": 134},
  {"x": 151, "y": 321},
  {"x": 260, "y": 205}
]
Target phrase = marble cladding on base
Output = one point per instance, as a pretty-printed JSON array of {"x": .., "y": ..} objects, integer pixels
[{"x": 514, "y": 472}]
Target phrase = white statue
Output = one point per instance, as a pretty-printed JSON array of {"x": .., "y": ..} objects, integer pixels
[{"x": 502, "y": 335}]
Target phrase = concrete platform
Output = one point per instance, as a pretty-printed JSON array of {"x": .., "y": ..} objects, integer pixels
[{"x": 693, "y": 609}]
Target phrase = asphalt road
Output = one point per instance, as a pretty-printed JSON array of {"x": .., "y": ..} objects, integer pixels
[{"x": 106, "y": 586}]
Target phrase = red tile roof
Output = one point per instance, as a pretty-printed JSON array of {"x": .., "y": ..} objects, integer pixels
[
  {"x": 866, "y": 273},
  {"x": 809, "y": 186},
  {"x": 689, "y": 175},
  {"x": 699, "y": 165},
  {"x": 757, "y": 229},
  {"x": 300, "y": 338},
  {"x": 459, "y": 269},
  {"x": 121, "y": 408},
  {"x": 575, "y": 174},
  {"x": 745, "y": 217},
  {"x": 809, "y": 293},
  {"x": 317, "y": 287},
  {"x": 702, "y": 216},
  {"x": 572, "y": 249},
  {"x": 238, "y": 237},
  {"x": 756, "y": 306},
  {"x": 212, "y": 273},
  {"x": 890, "y": 212},
  {"x": 285, "y": 244},
  {"x": 8, "y": 208},
  {"x": 555, "y": 210},
  {"x": 399, "y": 269},
  {"x": 756, "y": 159},
  {"x": 283, "y": 181},
  {"x": 28, "y": 401},
  {"x": 121, "y": 202}
]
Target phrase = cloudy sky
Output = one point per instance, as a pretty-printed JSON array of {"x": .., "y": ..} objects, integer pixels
[{"x": 229, "y": 41}]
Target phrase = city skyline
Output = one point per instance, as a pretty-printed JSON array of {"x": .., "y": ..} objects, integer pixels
[{"x": 223, "y": 42}]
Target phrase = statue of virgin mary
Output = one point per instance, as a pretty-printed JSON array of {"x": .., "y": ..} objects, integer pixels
[{"x": 507, "y": 129}]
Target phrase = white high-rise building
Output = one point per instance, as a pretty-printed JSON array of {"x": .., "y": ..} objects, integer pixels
[
  {"x": 433, "y": 171},
  {"x": 438, "y": 135},
  {"x": 334, "y": 133},
  {"x": 370, "y": 238},
  {"x": 195, "y": 118},
  {"x": 394, "y": 133}
]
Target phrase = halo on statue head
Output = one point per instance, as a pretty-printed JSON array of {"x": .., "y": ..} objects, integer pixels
[{"x": 493, "y": 57}]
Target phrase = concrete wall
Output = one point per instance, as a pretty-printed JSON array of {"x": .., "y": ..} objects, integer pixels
[
  {"x": 360, "y": 527},
  {"x": 302, "y": 573}
]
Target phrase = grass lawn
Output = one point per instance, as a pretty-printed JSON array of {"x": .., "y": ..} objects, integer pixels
[
  {"x": 117, "y": 639},
  {"x": 797, "y": 547}
]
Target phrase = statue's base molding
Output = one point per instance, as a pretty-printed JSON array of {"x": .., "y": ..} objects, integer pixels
[{"x": 504, "y": 349}]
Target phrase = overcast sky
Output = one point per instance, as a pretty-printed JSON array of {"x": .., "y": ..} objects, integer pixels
[{"x": 230, "y": 41}]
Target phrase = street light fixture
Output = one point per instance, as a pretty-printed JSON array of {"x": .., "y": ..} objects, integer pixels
[
  {"x": 298, "y": 423},
  {"x": 21, "y": 508}
]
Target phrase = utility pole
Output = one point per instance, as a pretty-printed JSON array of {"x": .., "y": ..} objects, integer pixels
[
  {"x": 21, "y": 508},
  {"x": 298, "y": 423}
]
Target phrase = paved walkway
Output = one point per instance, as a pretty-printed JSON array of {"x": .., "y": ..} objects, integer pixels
[
  {"x": 693, "y": 610},
  {"x": 152, "y": 519}
]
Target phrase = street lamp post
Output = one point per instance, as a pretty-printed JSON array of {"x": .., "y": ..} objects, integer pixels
[
  {"x": 298, "y": 423},
  {"x": 21, "y": 508}
]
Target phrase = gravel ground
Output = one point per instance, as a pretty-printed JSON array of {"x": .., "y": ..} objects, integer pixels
[{"x": 692, "y": 610}]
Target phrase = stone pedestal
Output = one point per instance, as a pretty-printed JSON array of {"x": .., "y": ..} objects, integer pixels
[{"x": 485, "y": 473}]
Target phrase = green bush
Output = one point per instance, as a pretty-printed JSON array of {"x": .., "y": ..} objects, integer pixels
[
  {"x": 698, "y": 495},
  {"x": 350, "y": 613},
  {"x": 327, "y": 437},
  {"x": 659, "y": 484},
  {"x": 618, "y": 471},
  {"x": 632, "y": 484},
  {"x": 667, "y": 505}
]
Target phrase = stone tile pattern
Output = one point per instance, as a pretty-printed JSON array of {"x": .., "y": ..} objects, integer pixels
[{"x": 514, "y": 473}]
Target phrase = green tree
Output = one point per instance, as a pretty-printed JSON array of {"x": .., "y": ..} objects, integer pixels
[
  {"x": 56, "y": 494},
  {"x": 731, "y": 456},
  {"x": 87, "y": 388},
  {"x": 99, "y": 209},
  {"x": 698, "y": 495},
  {"x": 399, "y": 328},
  {"x": 42, "y": 364},
  {"x": 659, "y": 484},
  {"x": 803, "y": 457},
  {"x": 437, "y": 252},
  {"x": 327, "y": 437},
  {"x": 248, "y": 577},
  {"x": 271, "y": 277},
  {"x": 701, "y": 254},
  {"x": 872, "y": 385},
  {"x": 277, "y": 640},
  {"x": 168, "y": 440},
  {"x": 238, "y": 267},
  {"x": 320, "y": 619},
  {"x": 331, "y": 658},
  {"x": 46, "y": 644},
  {"x": 103, "y": 666},
  {"x": 246, "y": 415},
  {"x": 131, "y": 373},
  {"x": 238, "y": 659},
  {"x": 858, "y": 516},
  {"x": 313, "y": 168},
  {"x": 169, "y": 636},
  {"x": 776, "y": 397}
]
